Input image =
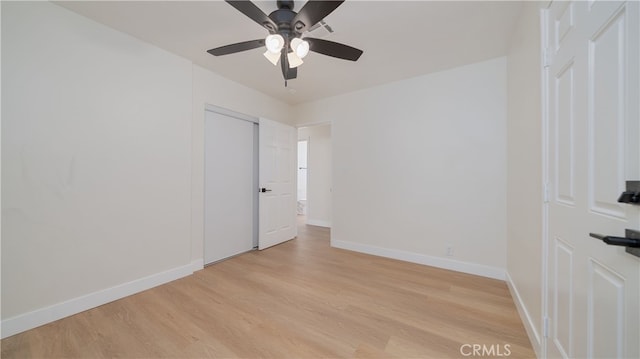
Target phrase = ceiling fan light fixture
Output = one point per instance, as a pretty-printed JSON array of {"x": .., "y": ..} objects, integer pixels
[
  {"x": 294, "y": 60},
  {"x": 274, "y": 43},
  {"x": 286, "y": 31},
  {"x": 273, "y": 58},
  {"x": 300, "y": 47}
]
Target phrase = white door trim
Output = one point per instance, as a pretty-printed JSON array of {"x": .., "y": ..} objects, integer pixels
[
  {"x": 544, "y": 45},
  {"x": 230, "y": 113},
  {"x": 312, "y": 124}
]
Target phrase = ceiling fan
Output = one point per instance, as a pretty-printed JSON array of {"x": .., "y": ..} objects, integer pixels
[{"x": 286, "y": 28}]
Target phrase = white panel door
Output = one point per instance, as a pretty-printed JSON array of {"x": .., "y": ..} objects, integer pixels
[
  {"x": 229, "y": 186},
  {"x": 277, "y": 178},
  {"x": 593, "y": 148}
]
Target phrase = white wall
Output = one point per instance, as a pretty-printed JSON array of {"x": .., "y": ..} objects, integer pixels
[
  {"x": 101, "y": 179},
  {"x": 95, "y": 156},
  {"x": 319, "y": 172},
  {"x": 524, "y": 170},
  {"x": 420, "y": 164}
]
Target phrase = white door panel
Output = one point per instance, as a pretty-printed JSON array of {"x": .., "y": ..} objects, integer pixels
[
  {"x": 277, "y": 177},
  {"x": 229, "y": 186},
  {"x": 593, "y": 148}
]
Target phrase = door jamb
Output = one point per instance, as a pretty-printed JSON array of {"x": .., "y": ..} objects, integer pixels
[
  {"x": 230, "y": 113},
  {"x": 544, "y": 74},
  {"x": 315, "y": 124}
]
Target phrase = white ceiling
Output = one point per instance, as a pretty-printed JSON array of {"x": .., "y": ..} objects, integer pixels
[{"x": 400, "y": 39}]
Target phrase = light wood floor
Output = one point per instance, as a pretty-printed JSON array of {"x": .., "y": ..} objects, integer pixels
[{"x": 300, "y": 299}]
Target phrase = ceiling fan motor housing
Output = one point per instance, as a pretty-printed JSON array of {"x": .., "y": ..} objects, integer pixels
[
  {"x": 283, "y": 18},
  {"x": 285, "y": 4}
]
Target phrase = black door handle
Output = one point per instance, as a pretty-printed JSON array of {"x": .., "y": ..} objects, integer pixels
[
  {"x": 264, "y": 190},
  {"x": 618, "y": 241},
  {"x": 629, "y": 197},
  {"x": 632, "y": 194}
]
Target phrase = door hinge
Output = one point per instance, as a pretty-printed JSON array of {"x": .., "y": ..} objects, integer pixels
[
  {"x": 545, "y": 327},
  {"x": 546, "y": 57}
]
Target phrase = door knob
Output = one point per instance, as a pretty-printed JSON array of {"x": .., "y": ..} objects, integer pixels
[{"x": 264, "y": 190}]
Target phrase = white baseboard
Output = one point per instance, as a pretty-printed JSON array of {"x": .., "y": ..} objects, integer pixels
[
  {"x": 36, "y": 318},
  {"x": 197, "y": 264},
  {"x": 445, "y": 263},
  {"x": 318, "y": 222},
  {"x": 534, "y": 336}
]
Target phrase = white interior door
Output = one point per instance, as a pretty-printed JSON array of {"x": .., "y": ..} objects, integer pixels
[
  {"x": 277, "y": 178},
  {"x": 230, "y": 193},
  {"x": 594, "y": 147}
]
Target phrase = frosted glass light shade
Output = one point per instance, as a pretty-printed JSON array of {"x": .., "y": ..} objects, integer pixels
[
  {"x": 300, "y": 47},
  {"x": 274, "y": 43},
  {"x": 294, "y": 60},
  {"x": 272, "y": 57}
]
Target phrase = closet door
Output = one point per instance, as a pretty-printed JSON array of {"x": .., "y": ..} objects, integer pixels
[{"x": 229, "y": 186}]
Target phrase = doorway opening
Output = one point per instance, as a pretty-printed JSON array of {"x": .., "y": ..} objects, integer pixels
[
  {"x": 302, "y": 177},
  {"x": 314, "y": 175}
]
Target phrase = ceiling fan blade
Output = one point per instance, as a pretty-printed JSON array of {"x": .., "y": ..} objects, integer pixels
[
  {"x": 287, "y": 72},
  {"x": 238, "y": 47},
  {"x": 254, "y": 13},
  {"x": 311, "y": 13},
  {"x": 333, "y": 49}
]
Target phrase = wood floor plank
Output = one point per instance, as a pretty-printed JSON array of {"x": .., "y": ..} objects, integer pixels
[{"x": 300, "y": 299}]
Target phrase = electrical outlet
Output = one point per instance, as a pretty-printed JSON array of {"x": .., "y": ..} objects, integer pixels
[{"x": 449, "y": 251}]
